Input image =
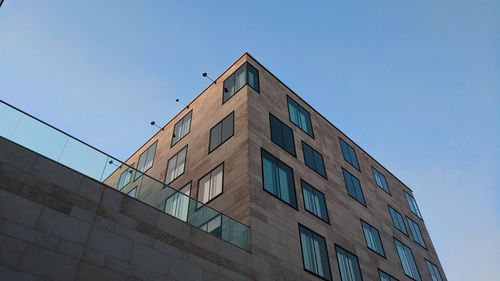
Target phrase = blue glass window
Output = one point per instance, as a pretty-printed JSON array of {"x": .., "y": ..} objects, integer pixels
[
  {"x": 313, "y": 159},
  {"x": 386, "y": 277},
  {"x": 415, "y": 232},
  {"x": 245, "y": 74},
  {"x": 353, "y": 187},
  {"x": 299, "y": 116},
  {"x": 278, "y": 179},
  {"x": 349, "y": 154},
  {"x": 314, "y": 201},
  {"x": 314, "y": 253},
  {"x": 397, "y": 221},
  {"x": 433, "y": 271},
  {"x": 380, "y": 180},
  {"x": 372, "y": 238},
  {"x": 412, "y": 204},
  {"x": 348, "y": 265},
  {"x": 125, "y": 178},
  {"x": 282, "y": 135},
  {"x": 407, "y": 261}
]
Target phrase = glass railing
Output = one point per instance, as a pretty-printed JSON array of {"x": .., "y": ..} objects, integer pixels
[{"x": 34, "y": 134}]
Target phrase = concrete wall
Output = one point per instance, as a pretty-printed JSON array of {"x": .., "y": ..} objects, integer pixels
[{"x": 58, "y": 225}]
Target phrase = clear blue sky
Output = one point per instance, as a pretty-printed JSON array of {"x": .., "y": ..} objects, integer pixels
[{"x": 415, "y": 83}]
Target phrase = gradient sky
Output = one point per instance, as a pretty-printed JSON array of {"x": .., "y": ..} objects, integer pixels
[{"x": 415, "y": 83}]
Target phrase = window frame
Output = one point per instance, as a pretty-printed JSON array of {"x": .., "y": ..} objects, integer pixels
[
  {"x": 418, "y": 214},
  {"x": 374, "y": 171},
  {"x": 294, "y": 154},
  {"x": 409, "y": 221},
  {"x": 327, "y": 219},
  {"x": 183, "y": 170},
  {"x": 390, "y": 276},
  {"x": 222, "y": 141},
  {"x": 342, "y": 141},
  {"x": 232, "y": 76},
  {"x": 379, "y": 237},
  {"x": 262, "y": 151},
  {"x": 138, "y": 172},
  {"x": 401, "y": 262},
  {"x": 407, "y": 234},
  {"x": 131, "y": 169},
  {"x": 326, "y": 250},
  {"x": 427, "y": 263},
  {"x": 200, "y": 202},
  {"x": 172, "y": 143},
  {"x": 314, "y": 151},
  {"x": 338, "y": 262},
  {"x": 360, "y": 187},
  {"x": 290, "y": 116}
]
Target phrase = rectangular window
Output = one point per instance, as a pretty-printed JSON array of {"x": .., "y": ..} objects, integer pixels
[
  {"x": 133, "y": 192},
  {"x": 282, "y": 135},
  {"x": 415, "y": 232},
  {"x": 353, "y": 187},
  {"x": 211, "y": 184},
  {"x": 386, "y": 277},
  {"x": 349, "y": 154},
  {"x": 245, "y": 74},
  {"x": 412, "y": 203},
  {"x": 314, "y": 201},
  {"x": 407, "y": 261},
  {"x": 313, "y": 159},
  {"x": 177, "y": 205},
  {"x": 299, "y": 116},
  {"x": 175, "y": 166},
  {"x": 221, "y": 132},
  {"x": 380, "y": 180},
  {"x": 314, "y": 253},
  {"x": 397, "y": 221},
  {"x": 146, "y": 160},
  {"x": 181, "y": 128},
  {"x": 348, "y": 265},
  {"x": 278, "y": 179},
  {"x": 372, "y": 238},
  {"x": 433, "y": 271},
  {"x": 125, "y": 177}
]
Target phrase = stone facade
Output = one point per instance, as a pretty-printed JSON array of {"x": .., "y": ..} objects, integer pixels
[{"x": 87, "y": 229}]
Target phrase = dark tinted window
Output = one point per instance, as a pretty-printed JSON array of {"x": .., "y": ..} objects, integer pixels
[
  {"x": 282, "y": 135},
  {"x": 313, "y": 159},
  {"x": 349, "y": 154},
  {"x": 221, "y": 132},
  {"x": 353, "y": 187},
  {"x": 415, "y": 232}
]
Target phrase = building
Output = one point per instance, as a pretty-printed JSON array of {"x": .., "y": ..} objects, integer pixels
[{"x": 294, "y": 196}]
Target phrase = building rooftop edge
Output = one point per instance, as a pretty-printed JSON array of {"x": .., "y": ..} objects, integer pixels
[{"x": 288, "y": 88}]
